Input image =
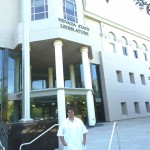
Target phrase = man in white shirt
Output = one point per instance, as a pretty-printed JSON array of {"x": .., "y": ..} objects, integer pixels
[{"x": 72, "y": 132}]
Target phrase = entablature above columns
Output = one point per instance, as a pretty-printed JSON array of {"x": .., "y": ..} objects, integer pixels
[{"x": 49, "y": 92}]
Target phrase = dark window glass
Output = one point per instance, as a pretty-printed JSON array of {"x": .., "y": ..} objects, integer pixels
[
  {"x": 39, "y": 16},
  {"x": 70, "y": 18},
  {"x": 32, "y": 2},
  {"x": 39, "y": 3},
  {"x": 124, "y": 49},
  {"x": 65, "y": 16},
  {"x": 39, "y": 9},
  {"x": 0, "y": 59},
  {"x": 32, "y": 10},
  {"x": 135, "y": 54},
  {"x": 46, "y": 14},
  {"x": 63, "y": 2},
  {"x": 70, "y": 10},
  {"x": 145, "y": 56},
  {"x": 46, "y": 7},
  {"x": 11, "y": 71},
  {"x": 39, "y": 84}
]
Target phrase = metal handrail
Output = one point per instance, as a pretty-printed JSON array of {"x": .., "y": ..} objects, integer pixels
[
  {"x": 1, "y": 146},
  {"x": 28, "y": 143},
  {"x": 112, "y": 134}
]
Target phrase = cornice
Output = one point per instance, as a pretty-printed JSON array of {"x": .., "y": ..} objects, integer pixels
[{"x": 100, "y": 19}]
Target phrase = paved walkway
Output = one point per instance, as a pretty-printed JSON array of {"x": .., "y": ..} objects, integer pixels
[{"x": 134, "y": 134}]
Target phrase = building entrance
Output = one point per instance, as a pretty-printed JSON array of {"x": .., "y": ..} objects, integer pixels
[
  {"x": 44, "y": 109},
  {"x": 97, "y": 93}
]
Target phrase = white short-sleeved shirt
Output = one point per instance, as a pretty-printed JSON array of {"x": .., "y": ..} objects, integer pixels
[{"x": 72, "y": 131}]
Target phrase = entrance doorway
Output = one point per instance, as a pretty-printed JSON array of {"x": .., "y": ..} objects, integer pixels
[{"x": 97, "y": 93}]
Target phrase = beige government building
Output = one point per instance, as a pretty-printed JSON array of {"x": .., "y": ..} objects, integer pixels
[{"x": 57, "y": 53}]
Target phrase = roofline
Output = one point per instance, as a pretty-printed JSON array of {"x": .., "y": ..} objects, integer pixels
[{"x": 109, "y": 22}]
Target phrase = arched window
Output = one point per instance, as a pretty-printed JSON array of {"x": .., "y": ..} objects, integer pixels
[
  {"x": 144, "y": 48},
  {"x": 112, "y": 40},
  {"x": 70, "y": 10},
  {"x": 124, "y": 45},
  {"x": 135, "y": 47},
  {"x": 112, "y": 36}
]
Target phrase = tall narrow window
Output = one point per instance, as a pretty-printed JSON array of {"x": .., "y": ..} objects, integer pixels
[
  {"x": 135, "y": 54},
  {"x": 131, "y": 76},
  {"x": 112, "y": 40},
  {"x": 124, "y": 50},
  {"x": 124, "y": 46},
  {"x": 124, "y": 108},
  {"x": 39, "y": 9},
  {"x": 142, "y": 79},
  {"x": 70, "y": 10},
  {"x": 147, "y": 106},
  {"x": 144, "y": 49},
  {"x": 137, "y": 107},
  {"x": 135, "y": 48},
  {"x": 145, "y": 56},
  {"x": 119, "y": 76}
]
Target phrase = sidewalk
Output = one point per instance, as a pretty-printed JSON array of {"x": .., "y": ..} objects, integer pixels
[{"x": 134, "y": 134}]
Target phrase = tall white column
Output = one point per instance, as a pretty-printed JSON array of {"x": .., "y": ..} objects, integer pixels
[
  {"x": 88, "y": 85},
  {"x": 50, "y": 77},
  {"x": 26, "y": 61},
  {"x": 72, "y": 76},
  {"x": 60, "y": 80}
]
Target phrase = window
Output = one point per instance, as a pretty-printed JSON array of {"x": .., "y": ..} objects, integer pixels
[
  {"x": 119, "y": 76},
  {"x": 39, "y": 84},
  {"x": 137, "y": 108},
  {"x": 135, "y": 47},
  {"x": 112, "y": 40},
  {"x": 39, "y": 9},
  {"x": 131, "y": 76},
  {"x": 124, "y": 46},
  {"x": 145, "y": 56},
  {"x": 144, "y": 48},
  {"x": 70, "y": 10},
  {"x": 124, "y": 50},
  {"x": 142, "y": 79},
  {"x": 135, "y": 53},
  {"x": 147, "y": 106},
  {"x": 124, "y": 108}
]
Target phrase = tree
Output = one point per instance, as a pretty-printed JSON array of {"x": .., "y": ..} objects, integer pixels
[{"x": 143, "y": 4}]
